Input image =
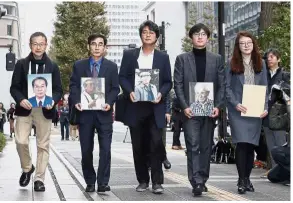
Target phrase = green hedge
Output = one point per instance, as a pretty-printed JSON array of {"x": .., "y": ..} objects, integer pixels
[{"x": 2, "y": 141}]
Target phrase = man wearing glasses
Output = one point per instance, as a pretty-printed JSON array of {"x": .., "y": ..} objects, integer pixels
[
  {"x": 36, "y": 62},
  {"x": 100, "y": 120},
  {"x": 199, "y": 65}
]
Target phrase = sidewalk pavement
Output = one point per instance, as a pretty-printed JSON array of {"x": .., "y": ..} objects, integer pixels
[{"x": 64, "y": 180}]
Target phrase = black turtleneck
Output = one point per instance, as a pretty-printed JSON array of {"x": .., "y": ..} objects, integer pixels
[{"x": 200, "y": 62}]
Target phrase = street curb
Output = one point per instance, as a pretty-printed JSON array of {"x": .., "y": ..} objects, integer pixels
[{"x": 109, "y": 196}]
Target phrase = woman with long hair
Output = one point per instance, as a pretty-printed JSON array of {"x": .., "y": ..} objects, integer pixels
[{"x": 245, "y": 67}]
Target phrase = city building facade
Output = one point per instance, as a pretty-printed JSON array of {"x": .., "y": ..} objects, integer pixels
[
  {"x": 124, "y": 19},
  {"x": 9, "y": 35},
  {"x": 174, "y": 14},
  {"x": 240, "y": 16}
]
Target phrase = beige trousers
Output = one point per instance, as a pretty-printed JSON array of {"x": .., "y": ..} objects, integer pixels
[
  {"x": 73, "y": 131},
  {"x": 22, "y": 131}
]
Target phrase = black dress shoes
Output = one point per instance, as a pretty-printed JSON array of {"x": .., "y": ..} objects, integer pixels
[
  {"x": 241, "y": 186},
  {"x": 103, "y": 188},
  {"x": 26, "y": 177},
  {"x": 197, "y": 190},
  {"x": 39, "y": 186},
  {"x": 249, "y": 186},
  {"x": 90, "y": 188},
  {"x": 205, "y": 189},
  {"x": 167, "y": 164}
]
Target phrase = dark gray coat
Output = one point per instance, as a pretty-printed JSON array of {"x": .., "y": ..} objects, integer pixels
[
  {"x": 243, "y": 129},
  {"x": 185, "y": 72}
]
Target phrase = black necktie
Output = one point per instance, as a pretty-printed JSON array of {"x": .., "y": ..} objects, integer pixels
[
  {"x": 40, "y": 103},
  {"x": 94, "y": 71}
]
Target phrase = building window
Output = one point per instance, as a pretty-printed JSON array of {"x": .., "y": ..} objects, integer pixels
[
  {"x": 9, "y": 9},
  {"x": 9, "y": 30}
]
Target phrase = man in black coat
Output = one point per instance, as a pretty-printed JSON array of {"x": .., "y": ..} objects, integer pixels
[
  {"x": 148, "y": 114},
  {"x": 36, "y": 62}
]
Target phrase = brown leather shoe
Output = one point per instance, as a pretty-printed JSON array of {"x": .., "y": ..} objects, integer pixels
[{"x": 175, "y": 147}]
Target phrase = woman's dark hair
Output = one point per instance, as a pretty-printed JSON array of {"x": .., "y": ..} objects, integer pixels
[
  {"x": 95, "y": 36},
  {"x": 197, "y": 27},
  {"x": 152, "y": 26},
  {"x": 237, "y": 66}
]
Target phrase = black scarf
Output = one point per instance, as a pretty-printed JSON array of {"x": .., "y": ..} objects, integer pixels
[{"x": 40, "y": 62}]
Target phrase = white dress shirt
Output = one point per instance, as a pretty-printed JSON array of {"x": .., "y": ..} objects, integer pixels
[
  {"x": 145, "y": 61},
  {"x": 273, "y": 72}
]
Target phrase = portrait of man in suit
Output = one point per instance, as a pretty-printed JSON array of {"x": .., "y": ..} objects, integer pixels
[
  {"x": 145, "y": 91},
  {"x": 92, "y": 97},
  {"x": 202, "y": 105},
  {"x": 41, "y": 99}
]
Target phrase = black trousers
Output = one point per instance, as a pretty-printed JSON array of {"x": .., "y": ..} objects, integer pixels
[
  {"x": 65, "y": 125},
  {"x": 1, "y": 125},
  {"x": 198, "y": 133},
  {"x": 86, "y": 135},
  {"x": 281, "y": 171},
  {"x": 147, "y": 145},
  {"x": 261, "y": 149},
  {"x": 244, "y": 159},
  {"x": 178, "y": 124}
]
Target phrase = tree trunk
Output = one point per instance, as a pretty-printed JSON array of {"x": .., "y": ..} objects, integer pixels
[{"x": 266, "y": 15}]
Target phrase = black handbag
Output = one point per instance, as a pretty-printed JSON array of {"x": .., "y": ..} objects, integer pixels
[
  {"x": 120, "y": 107},
  {"x": 73, "y": 115}
]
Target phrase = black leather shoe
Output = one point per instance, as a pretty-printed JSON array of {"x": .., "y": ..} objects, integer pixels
[
  {"x": 90, "y": 188},
  {"x": 241, "y": 186},
  {"x": 142, "y": 187},
  {"x": 104, "y": 188},
  {"x": 197, "y": 190},
  {"x": 157, "y": 189},
  {"x": 39, "y": 186},
  {"x": 249, "y": 186},
  {"x": 205, "y": 189},
  {"x": 26, "y": 177},
  {"x": 167, "y": 164}
]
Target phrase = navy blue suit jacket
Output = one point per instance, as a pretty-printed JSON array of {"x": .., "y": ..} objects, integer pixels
[
  {"x": 47, "y": 101},
  {"x": 109, "y": 71},
  {"x": 127, "y": 80}
]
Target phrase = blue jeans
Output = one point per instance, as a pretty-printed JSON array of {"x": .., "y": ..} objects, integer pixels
[{"x": 66, "y": 125}]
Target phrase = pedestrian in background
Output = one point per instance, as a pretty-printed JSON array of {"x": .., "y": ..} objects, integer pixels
[
  {"x": 274, "y": 138},
  {"x": 11, "y": 117},
  {"x": 245, "y": 67},
  {"x": 2, "y": 117},
  {"x": 64, "y": 120}
]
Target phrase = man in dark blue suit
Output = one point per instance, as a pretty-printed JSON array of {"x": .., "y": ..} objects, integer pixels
[
  {"x": 40, "y": 99},
  {"x": 146, "y": 115},
  {"x": 90, "y": 120}
]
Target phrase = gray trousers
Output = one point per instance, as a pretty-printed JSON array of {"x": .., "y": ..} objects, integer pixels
[
  {"x": 198, "y": 134},
  {"x": 274, "y": 139}
]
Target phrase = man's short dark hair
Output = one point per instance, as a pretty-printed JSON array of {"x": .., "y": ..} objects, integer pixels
[
  {"x": 152, "y": 26},
  {"x": 39, "y": 78},
  {"x": 196, "y": 29},
  {"x": 273, "y": 51},
  {"x": 92, "y": 37},
  {"x": 37, "y": 34}
]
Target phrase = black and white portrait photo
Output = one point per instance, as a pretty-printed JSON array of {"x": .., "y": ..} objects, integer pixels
[
  {"x": 201, "y": 96},
  {"x": 92, "y": 93},
  {"x": 146, "y": 84}
]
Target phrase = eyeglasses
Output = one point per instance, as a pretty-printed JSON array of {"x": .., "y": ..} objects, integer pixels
[
  {"x": 148, "y": 33},
  {"x": 41, "y": 45},
  {"x": 201, "y": 34},
  {"x": 245, "y": 43},
  {"x": 97, "y": 45}
]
